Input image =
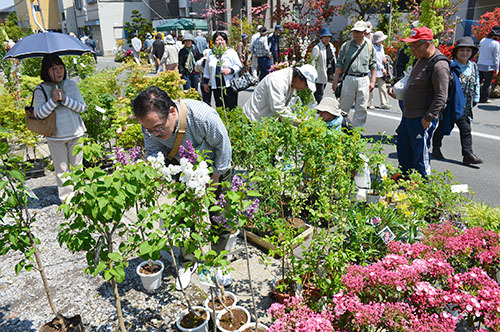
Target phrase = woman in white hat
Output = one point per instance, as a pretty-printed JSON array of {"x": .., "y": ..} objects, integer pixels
[
  {"x": 378, "y": 38},
  {"x": 170, "y": 59}
]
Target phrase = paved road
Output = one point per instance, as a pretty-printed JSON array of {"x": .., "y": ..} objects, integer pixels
[{"x": 484, "y": 180}]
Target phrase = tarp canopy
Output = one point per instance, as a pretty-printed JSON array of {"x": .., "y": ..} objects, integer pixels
[{"x": 183, "y": 24}]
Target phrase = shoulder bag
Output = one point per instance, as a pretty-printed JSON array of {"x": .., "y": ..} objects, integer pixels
[
  {"x": 338, "y": 90},
  {"x": 180, "y": 133},
  {"x": 242, "y": 82},
  {"x": 45, "y": 127}
]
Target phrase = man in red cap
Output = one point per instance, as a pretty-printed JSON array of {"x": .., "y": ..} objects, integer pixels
[{"x": 424, "y": 99}]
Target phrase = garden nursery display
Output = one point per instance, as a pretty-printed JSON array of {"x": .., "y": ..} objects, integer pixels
[{"x": 353, "y": 244}]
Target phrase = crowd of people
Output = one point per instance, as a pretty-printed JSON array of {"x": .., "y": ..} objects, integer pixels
[{"x": 360, "y": 66}]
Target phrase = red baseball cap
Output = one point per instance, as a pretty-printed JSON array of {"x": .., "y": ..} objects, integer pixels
[{"x": 417, "y": 34}]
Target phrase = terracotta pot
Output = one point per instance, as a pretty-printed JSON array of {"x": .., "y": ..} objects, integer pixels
[{"x": 281, "y": 297}]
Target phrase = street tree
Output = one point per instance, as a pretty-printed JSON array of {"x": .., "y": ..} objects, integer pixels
[{"x": 139, "y": 24}]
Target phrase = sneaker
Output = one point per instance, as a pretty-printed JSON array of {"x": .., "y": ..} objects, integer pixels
[
  {"x": 437, "y": 154},
  {"x": 386, "y": 107},
  {"x": 224, "y": 277},
  {"x": 371, "y": 107},
  {"x": 184, "y": 276},
  {"x": 471, "y": 159}
]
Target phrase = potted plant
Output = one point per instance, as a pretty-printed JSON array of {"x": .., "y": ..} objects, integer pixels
[
  {"x": 232, "y": 319},
  {"x": 16, "y": 232},
  {"x": 95, "y": 215},
  {"x": 190, "y": 213}
]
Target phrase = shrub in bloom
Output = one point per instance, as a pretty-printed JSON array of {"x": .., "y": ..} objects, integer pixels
[
  {"x": 194, "y": 173},
  {"x": 295, "y": 316},
  {"x": 416, "y": 287}
]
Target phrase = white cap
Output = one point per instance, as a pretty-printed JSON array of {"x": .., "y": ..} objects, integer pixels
[
  {"x": 310, "y": 74},
  {"x": 329, "y": 105}
]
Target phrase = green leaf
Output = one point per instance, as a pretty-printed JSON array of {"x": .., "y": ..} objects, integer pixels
[
  {"x": 196, "y": 237},
  {"x": 253, "y": 193},
  {"x": 215, "y": 208},
  {"x": 115, "y": 256},
  {"x": 119, "y": 273},
  {"x": 15, "y": 173}
]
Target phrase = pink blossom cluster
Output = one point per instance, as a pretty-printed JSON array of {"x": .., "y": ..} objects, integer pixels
[
  {"x": 466, "y": 249},
  {"x": 406, "y": 293},
  {"x": 295, "y": 316}
]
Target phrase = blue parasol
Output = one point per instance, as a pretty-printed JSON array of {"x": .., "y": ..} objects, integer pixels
[{"x": 40, "y": 44}]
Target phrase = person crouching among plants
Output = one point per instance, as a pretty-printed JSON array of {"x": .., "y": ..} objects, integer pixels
[
  {"x": 171, "y": 128},
  {"x": 329, "y": 111}
]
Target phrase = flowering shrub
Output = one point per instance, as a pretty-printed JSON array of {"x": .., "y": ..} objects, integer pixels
[
  {"x": 193, "y": 172},
  {"x": 464, "y": 250},
  {"x": 295, "y": 316},
  {"x": 485, "y": 23},
  {"x": 446, "y": 50},
  {"x": 402, "y": 293}
]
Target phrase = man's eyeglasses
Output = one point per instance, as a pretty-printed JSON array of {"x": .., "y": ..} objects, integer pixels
[
  {"x": 159, "y": 129},
  {"x": 415, "y": 46}
]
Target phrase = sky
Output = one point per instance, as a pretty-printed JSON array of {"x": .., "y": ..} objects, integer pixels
[{"x": 6, "y": 3}]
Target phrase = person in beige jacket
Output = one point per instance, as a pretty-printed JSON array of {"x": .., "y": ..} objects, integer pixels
[
  {"x": 273, "y": 94},
  {"x": 323, "y": 58},
  {"x": 170, "y": 59}
]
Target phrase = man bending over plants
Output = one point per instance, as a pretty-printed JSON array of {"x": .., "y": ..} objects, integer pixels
[{"x": 167, "y": 125}]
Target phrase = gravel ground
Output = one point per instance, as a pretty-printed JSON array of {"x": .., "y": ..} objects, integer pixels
[{"x": 24, "y": 307}]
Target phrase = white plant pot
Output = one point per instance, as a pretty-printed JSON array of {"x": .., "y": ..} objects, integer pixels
[
  {"x": 202, "y": 328},
  {"x": 231, "y": 242},
  {"x": 219, "y": 316},
  {"x": 252, "y": 324},
  {"x": 207, "y": 301},
  {"x": 372, "y": 199},
  {"x": 150, "y": 282}
]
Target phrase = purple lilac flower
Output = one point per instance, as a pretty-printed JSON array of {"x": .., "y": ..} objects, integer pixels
[
  {"x": 188, "y": 153},
  {"x": 134, "y": 153},
  {"x": 236, "y": 183},
  {"x": 121, "y": 156},
  {"x": 250, "y": 211},
  {"x": 222, "y": 201}
]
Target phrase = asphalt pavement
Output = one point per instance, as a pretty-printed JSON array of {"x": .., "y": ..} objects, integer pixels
[{"x": 483, "y": 179}]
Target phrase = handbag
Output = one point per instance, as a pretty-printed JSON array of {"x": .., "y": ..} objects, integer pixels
[
  {"x": 45, "y": 127},
  {"x": 338, "y": 90},
  {"x": 243, "y": 82},
  {"x": 400, "y": 86}
]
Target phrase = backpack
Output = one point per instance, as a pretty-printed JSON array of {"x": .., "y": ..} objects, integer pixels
[{"x": 455, "y": 103}]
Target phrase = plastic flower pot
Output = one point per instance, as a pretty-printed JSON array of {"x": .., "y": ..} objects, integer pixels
[
  {"x": 218, "y": 307},
  {"x": 185, "y": 322},
  {"x": 150, "y": 282},
  {"x": 250, "y": 327},
  {"x": 231, "y": 242},
  {"x": 241, "y": 317},
  {"x": 372, "y": 198}
]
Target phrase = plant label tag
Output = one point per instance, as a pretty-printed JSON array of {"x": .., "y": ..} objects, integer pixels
[
  {"x": 460, "y": 188},
  {"x": 100, "y": 109},
  {"x": 386, "y": 234},
  {"x": 383, "y": 170},
  {"x": 31, "y": 193},
  {"x": 74, "y": 61}
]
